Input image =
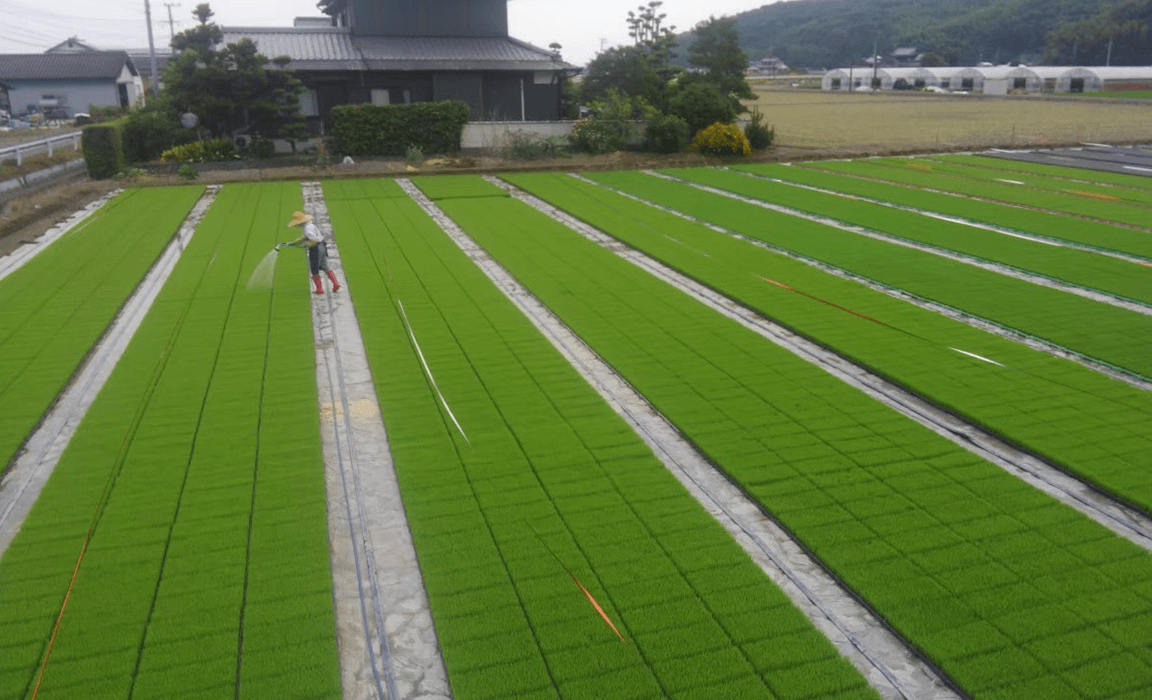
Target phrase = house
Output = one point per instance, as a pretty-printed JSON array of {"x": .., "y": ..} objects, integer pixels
[
  {"x": 398, "y": 51},
  {"x": 141, "y": 58},
  {"x": 769, "y": 65},
  {"x": 907, "y": 56},
  {"x": 62, "y": 84}
]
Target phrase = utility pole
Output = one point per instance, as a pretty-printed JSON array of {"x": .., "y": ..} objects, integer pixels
[
  {"x": 875, "y": 61},
  {"x": 1108, "y": 61},
  {"x": 151, "y": 47},
  {"x": 171, "y": 22}
]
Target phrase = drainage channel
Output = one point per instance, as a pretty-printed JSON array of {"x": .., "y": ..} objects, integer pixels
[
  {"x": 17, "y": 258},
  {"x": 982, "y": 263},
  {"x": 881, "y": 656},
  {"x": 26, "y": 478},
  {"x": 953, "y": 313},
  {"x": 387, "y": 642},
  {"x": 1127, "y": 522},
  {"x": 1003, "y": 230}
]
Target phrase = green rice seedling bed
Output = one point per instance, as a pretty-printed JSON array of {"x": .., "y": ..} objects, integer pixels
[
  {"x": 1035, "y": 181},
  {"x": 1009, "y": 591},
  {"x": 1092, "y": 233},
  {"x": 55, "y": 307},
  {"x": 549, "y": 477},
  {"x": 207, "y": 574},
  {"x": 1110, "y": 334},
  {"x": 1092, "y": 425},
  {"x": 1111, "y": 275},
  {"x": 1070, "y": 172},
  {"x": 1065, "y": 202}
]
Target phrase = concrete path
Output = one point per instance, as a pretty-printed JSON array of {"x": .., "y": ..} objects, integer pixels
[
  {"x": 388, "y": 645},
  {"x": 24, "y": 481}
]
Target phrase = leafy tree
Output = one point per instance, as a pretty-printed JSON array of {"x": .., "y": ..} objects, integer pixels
[
  {"x": 702, "y": 104},
  {"x": 641, "y": 70},
  {"x": 717, "y": 51},
  {"x": 646, "y": 27},
  {"x": 628, "y": 69},
  {"x": 202, "y": 37},
  {"x": 232, "y": 87},
  {"x": 1125, "y": 25}
]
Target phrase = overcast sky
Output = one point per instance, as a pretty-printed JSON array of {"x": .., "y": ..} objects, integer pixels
[{"x": 581, "y": 27}]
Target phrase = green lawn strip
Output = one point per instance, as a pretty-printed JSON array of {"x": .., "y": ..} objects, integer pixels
[
  {"x": 1110, "y": 334},
  {"x": 156, "y": 608},
  {"x": 1123, "y": 183},
  {"x": 1036, "y": 181},
  {"x": 1079, "y": 267},
  {"x": 55, "y": 307},
  {"x": 975, "y": 567},
  {"x": 1091, "y": 233},
  {"x": 453, "y": 187},
  {"x": 548, "y": 465},
  {"x": 999, "y": 191},
  {"x": 1091, "y": 425}
]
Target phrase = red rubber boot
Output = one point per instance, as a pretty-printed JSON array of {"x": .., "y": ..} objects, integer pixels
[
  {"x": 319, "y": 285},
  {"x": 335, "y": 284}
]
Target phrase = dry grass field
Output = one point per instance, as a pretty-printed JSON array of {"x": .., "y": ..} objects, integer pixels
[{"x": 869, "y": 123}]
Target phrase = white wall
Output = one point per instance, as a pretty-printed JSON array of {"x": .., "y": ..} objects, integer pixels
[
  {"x": 495, "y": 135},
  {"x": 80, "y": 94}
]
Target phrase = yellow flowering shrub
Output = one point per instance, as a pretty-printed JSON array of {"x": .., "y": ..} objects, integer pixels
[{"x": 721, "y": 140}]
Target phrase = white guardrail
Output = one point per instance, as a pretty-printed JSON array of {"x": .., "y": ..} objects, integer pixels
[{"x": 49, "y": 144}]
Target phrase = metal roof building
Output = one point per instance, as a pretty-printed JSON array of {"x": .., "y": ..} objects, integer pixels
[
  {"x": 394, "y": 51},
  {"x": 61, "y": 84}
]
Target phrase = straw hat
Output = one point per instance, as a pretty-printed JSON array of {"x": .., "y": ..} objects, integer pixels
[{"x": 299, "y": 217}]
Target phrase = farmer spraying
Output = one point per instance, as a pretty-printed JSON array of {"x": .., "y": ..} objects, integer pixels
[{"x": 317, "y": 250}]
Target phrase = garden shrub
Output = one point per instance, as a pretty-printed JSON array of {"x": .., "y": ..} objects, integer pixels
[
  {"x": 148, "y": 134},
  {"x": 701, "y": 104},
  {"x": 201, "y": 152},
  {"x": 370, "y": 130},
  {"x": 262, "y": 148},
  {"x": 759, "y": 136},
  {"x": 666, "y": 133},
  {"x": 103, "y": 146},
  {"x": 722, "y": 140},
  {"x": 529, "y": 146},
  {"x": 610, "y": 127}
]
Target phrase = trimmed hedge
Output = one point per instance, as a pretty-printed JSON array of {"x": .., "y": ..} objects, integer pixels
[
  {"x": 103, "y": 146},
  {"x": 369, "y": 130}
]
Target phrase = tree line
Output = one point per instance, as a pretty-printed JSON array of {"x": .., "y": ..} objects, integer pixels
[{"x": 833, "y": 33}]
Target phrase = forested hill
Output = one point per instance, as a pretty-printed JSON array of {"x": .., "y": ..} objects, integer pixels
[{"x": 831, "y": 33}]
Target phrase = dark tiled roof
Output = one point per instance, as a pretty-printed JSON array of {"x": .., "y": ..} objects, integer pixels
[
  {"x": 90, "y": 65},
  {"x": 336, "y": 49}
]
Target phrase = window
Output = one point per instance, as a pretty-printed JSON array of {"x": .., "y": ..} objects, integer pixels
[
  {"x": 308, "y": 104},
  {"x": 835, "y": 83},
  {"x": 966, "y": 83},
  {"x": 380, "y": 98},
  {"x": 946, "y": 83},
  {"x": 407, "y": 96},
  {"x": 1020, "y": 84},
  {"x": 541, "y": 77}
]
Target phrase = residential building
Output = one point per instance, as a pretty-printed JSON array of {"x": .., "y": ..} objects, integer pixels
[
  {"x": 61, "y": 84},
  {"x": 398, "y": 51}
]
